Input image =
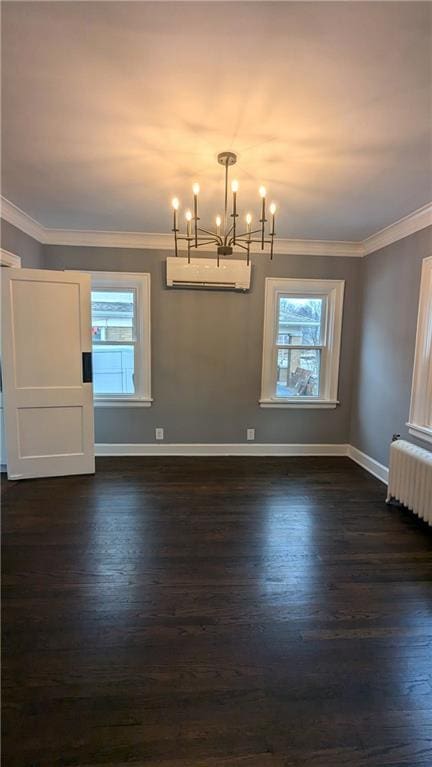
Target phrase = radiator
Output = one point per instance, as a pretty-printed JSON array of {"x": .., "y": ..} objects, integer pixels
[{"x": 410, "y": 478}]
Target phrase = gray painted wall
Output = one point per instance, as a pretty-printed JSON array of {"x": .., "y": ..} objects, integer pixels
[
  {"x": 19, "y": 243},
  {"x": 206, "y": 355},
  {"x": 206, "y": 364},
  {"x": 386, "y": 343}
]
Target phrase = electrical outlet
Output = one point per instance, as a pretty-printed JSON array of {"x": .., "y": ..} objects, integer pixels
[
  {"x": 250, "y": 434},
  {"x": 159, "y": 433}
]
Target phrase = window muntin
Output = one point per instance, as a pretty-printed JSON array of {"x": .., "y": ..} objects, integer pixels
[{"x": 301, "y": 347}]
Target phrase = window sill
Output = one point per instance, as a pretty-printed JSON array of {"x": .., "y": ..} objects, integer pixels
[
  {"x": 421, "y": 432},
  {"x": 307, "y": 404},
  {"x": 122, "y": 402}
]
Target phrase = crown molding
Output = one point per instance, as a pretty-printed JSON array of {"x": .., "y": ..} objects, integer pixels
[
  {"x": 407, "y": 225},
  {"x": 9, "y": 259},
  {"x": 14, "y": 215},
  {"x": 317, "y": 248},
  {"x": 156, "y": 241}
]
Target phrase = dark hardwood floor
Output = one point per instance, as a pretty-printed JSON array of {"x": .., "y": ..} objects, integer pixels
[{"x": 215, "y": 612}]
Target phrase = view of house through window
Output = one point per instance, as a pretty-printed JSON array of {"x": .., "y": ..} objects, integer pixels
[
  {"x": 300, "y": 330},
  {"x": 114, "y": 336}
]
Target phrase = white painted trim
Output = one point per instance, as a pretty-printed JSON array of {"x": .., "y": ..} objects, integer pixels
[
  {"x": 366, "y": 462},
  {"x": 101, "y": 401},
  {"x": 140, "y": 281},
  {"x": 164, "y": 241},
  {"x": 333, "y": 291},
  {"x": 421, "y": 432},
  {"x": 299, "y": 403},
  {"x": 407, "y": 225},
  {"x": 9, "y": 259},
  {"x": 421, "y": 390},
  {"x": 263, "y": 449},
  {"x": 14, "y": 215}
]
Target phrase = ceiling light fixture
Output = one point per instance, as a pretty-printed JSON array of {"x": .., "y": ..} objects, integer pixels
[{"x": 225, "y": 237}]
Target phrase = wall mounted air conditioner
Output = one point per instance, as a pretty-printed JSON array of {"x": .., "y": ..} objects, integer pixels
[{"x": 204, "y": 273}]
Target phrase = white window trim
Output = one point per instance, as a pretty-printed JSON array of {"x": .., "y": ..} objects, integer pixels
[
  {"x": 333, "y": 291},
  {"x": 140, "y": 281},
  {"x": 9, "y": 259},
  {"x": 421, "y": 392}
]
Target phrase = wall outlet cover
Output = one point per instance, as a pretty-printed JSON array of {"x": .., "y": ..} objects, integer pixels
[
  {"x": 159, "y": 433},
  {"x": 250, "y": 434}
]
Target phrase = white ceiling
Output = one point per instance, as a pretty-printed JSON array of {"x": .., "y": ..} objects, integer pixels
[{"x": 110, "y": 108}]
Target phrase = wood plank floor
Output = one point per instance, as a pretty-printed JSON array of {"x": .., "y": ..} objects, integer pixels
[{"x": 215, "y": 612}]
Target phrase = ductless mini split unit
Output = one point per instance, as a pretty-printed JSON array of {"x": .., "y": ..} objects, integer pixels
[{"x": 205, "y": 274}]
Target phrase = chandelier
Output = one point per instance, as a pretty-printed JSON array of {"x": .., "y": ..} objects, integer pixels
[{"x": 226, "y": 236}]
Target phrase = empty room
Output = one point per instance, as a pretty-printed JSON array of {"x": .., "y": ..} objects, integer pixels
[{"x": 216, "y": 367}]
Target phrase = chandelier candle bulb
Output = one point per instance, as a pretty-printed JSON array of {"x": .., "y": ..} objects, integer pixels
[
  {"x": 262, "y": 191},
  {"x": 234, "y": 188},
  {"x": 273, "y": 211},
  {"x": 195, "y": 189},
  {"x": 218, "y": 224},
  {"x": 249, "y": 235},
  {"x": 272, "y": 233},
  {"x": 188, "y": 216},
  {"x": 175, "y": 204}
]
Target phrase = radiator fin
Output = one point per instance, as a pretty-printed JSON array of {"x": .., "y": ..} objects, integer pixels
[{"x": 410, "y": 478}]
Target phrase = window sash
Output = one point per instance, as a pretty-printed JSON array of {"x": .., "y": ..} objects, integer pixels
[
  {"x": 304, "y": 296},
  {"x": 277, "y": 383},
  {"x": 136, "y": 309},
  {"x": 136, "y": 371},
  {"x": 331, "y": 292}
]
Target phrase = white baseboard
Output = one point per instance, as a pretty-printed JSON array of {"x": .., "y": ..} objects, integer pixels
[
  {"x": 231, "y": 448},
  {"x": 370, "y": 464},
  {"x": 166, "y": 448}
]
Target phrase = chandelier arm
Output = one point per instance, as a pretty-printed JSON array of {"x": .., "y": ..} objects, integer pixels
[
  {"x": 244, "y": 247},
  {"x": 191, "y": 239},
  {"x": 227, "y": 235},
  {"x": 217, "y": 238},
  {"x": 206, "y": 242},
  {"x": 244, "y": 235}
]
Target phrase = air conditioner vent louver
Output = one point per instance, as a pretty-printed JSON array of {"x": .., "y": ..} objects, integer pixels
[{"x": 205, "y": 274}]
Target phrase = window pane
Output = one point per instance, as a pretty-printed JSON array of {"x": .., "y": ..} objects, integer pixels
[
  {"x": 300, "y": 320},
  {"x": 113, "y": 315},
  {"x": 113, "y": 369},
  {"x": 298, "y": 372}
]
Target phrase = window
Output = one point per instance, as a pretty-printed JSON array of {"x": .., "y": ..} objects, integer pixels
[
  {"x": 302, "y": 332},
  {"x": 420, "y": 418},
  {"x": 120, "y": 306}
]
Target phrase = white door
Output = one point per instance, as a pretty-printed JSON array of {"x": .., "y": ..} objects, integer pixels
[{"x": 46, "y": 367}]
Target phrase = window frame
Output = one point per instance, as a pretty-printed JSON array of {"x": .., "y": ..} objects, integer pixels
[
  {"x": 139, "y": 282},
  {"x": 333, "y": 293},
  {"x": 421, "y": 388}
]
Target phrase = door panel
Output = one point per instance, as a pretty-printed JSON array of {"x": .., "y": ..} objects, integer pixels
[
  {"x": 48, "y": 408},
  {"x": 36, "y": 365}
]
